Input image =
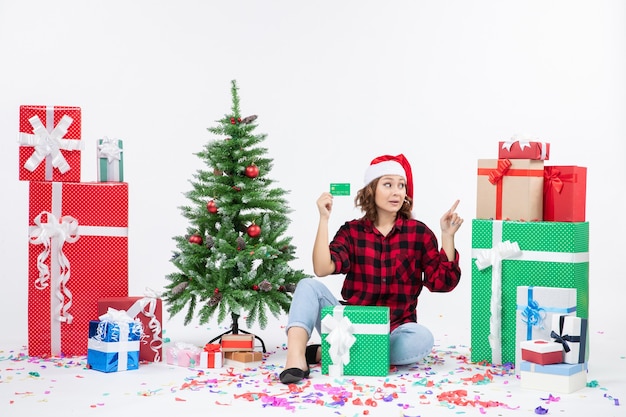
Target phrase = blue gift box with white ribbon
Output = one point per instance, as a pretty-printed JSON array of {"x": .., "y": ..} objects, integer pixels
[{"x": 113, "y": 343}]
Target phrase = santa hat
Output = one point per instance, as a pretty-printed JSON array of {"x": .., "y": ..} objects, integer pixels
[{"x": 391, "y": 165}]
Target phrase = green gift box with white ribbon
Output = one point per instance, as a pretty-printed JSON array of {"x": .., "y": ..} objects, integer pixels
[
  {"x": 110, "y": 160},
  {"x": 508, "y": 254},
  {"x": 355, "y": 340}
]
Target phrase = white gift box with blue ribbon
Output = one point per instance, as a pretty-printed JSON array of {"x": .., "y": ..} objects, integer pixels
[
  {"x": 536, "y": 306},
  {"x": 114, "y": 342}
]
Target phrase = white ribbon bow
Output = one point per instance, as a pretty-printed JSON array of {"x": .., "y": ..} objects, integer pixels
[
  {"x": 118, "y": 316},
  {"x": 48, "y": 233},
  {"x": 341, "y": 338},
  {"x": 524, "y": 141},
  {"x": 49, "y": 143},
  {"x": 139, "y": 307},
  {"x": 110, "y": 149},
  {"x": 493, "y": 258}
]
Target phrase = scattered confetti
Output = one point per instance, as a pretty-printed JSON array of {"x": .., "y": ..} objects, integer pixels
[
  {"x": 551, "y": 398},
  {"x": 447, "y": 379}
]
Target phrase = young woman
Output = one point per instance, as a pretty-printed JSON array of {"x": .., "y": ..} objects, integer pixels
[{"x": 386, "y": 256}]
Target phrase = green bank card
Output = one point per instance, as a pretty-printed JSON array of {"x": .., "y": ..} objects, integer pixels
[{"x": 340, "y": 188}]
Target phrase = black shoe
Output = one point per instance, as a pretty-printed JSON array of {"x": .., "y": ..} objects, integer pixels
[
  {"x": 293, "y": 375},
  {"x": 311, "y": 354}
]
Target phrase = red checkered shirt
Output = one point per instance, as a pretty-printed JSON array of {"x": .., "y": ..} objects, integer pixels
[{"x": 391, "y": 270}]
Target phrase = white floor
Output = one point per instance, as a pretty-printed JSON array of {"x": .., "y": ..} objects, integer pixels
[{"x": 65, "y": 387}]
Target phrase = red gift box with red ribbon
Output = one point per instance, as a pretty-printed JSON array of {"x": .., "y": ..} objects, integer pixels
[
  {"x": 510, "y": 189},
  {"x": 78, "y": 254},
  {"x": 50, "y": 143},
  {"x": 564, "y": 193},
  {"x": 149, "y": 310}
]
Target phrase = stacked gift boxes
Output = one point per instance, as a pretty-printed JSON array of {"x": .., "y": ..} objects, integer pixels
[
  {"x": 78, "y": 250},
  {"x": 558, "y": 364},
  {"x": 349, "y": 336},
  {"x": 149, "y": 310},
  {"x": 234, "y": 350},
  {"x": 530, "y": 232},
  {"x": 189, "y": 355},
  {"x": 239, "y": 350}
]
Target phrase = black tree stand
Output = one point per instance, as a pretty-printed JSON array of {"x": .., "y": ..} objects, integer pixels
[{"x": 234, "y": 329}]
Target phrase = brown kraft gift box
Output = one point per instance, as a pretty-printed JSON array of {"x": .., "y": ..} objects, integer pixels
[{"x": 510, "y": 189}]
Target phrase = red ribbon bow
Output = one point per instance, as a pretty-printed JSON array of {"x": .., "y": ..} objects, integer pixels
[
  {"x": 552, "y": 177},
  {"x": 212, "y": 347},
  {"x": 497, "y": 174}
]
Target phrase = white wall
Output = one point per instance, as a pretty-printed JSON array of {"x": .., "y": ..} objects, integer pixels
[{"x": 334, "y": 83}]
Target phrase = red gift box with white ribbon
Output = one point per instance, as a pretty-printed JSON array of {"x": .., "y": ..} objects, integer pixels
[
  {"x": 50, "y": 143},
  {"x": 524, "y": 147},
  {"x": 78, "y": 254},
  {"x": 147, "y": 309}
]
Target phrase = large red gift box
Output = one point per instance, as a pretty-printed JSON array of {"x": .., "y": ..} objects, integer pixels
[
  {"x": 78, "y": 254},
  {"x": 520, "y": 149},
  {"x": 510, "y": 189},
  {"x": 50, "y": 145},
  {"x": 149, "y": 310},
  {"x": 564, "y": 193}
]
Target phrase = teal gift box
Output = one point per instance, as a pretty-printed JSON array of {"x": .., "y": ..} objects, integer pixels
[
  {"x": 113, "y": 346},
  {"x": 508, "y": 254},
  {"x": 110, "y": 160},
  {"x": 355, "y": 340}
]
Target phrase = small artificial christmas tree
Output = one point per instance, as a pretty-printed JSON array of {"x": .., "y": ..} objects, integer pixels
[{"x": 234, "y": 258}]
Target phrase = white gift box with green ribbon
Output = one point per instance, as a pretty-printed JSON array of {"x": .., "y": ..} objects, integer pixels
[{"x": 355, "y": 340}]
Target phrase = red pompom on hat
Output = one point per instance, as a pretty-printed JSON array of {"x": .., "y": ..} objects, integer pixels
[{"x": 391, "y": 165}]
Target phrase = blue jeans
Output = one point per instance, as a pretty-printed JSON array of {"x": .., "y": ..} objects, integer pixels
[{"x": 409, "y": 342}]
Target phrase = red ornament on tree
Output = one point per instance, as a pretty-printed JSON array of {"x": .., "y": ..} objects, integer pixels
[
  {"x": 252, "y": 171},
  {"x": 255, "y": 287},
  {"x": 196, "y": 239},
  {"x": 211, "y": 207},
  {"x": 254, "y": 230}
]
